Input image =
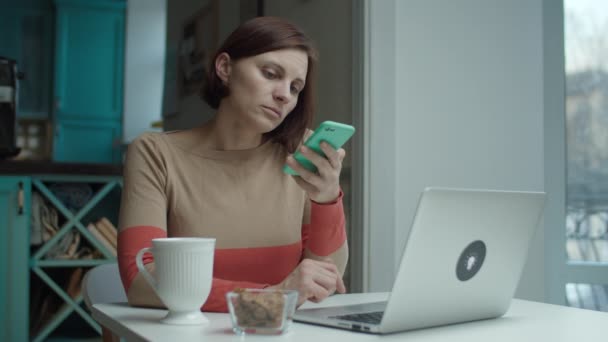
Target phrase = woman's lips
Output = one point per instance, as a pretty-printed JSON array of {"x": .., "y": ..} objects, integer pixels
[{"x": 273, "y": 111}]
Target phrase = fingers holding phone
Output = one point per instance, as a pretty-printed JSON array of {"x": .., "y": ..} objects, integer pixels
[
  {"x": 335, "y": 134},
  {"x": 322, "y": 186},
  {"x": 335, "y": 157},
  {"x": 316, "y": 166}
]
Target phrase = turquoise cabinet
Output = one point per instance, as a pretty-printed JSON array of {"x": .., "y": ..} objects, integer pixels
[
  {"x": 87, "y": 141},
  {"x": 14, "y": 253},
  {"x": 72, "y": 55},
  {"x": 26, "y": 36},
  {"x": 88, "y": 82}
]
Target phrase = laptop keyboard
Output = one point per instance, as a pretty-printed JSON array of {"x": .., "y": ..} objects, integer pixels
[{"x": 367, "y": 317}]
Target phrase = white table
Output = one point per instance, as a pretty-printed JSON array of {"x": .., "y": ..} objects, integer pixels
[{"x": 525, "y": 321}]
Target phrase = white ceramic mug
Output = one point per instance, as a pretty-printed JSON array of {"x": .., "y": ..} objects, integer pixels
[{"x": 183, "y": 276}]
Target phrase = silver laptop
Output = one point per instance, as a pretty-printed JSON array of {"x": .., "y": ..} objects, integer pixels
[{"x": 462, "y": 262}]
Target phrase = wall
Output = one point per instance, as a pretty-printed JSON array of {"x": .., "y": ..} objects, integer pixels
[
  {"x": 379, "y": 146},
  {"x": 182, "y": 112},
  {"x": 144, "y": 65},
  {"x": 468, "y": 110},
  {"x": 555, "y": 149}
]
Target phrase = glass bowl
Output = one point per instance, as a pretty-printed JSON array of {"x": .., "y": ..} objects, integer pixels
[{"x": 261, "y": 311}]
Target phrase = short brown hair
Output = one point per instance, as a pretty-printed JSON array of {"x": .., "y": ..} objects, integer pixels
[{"x": 261, "y": 35}]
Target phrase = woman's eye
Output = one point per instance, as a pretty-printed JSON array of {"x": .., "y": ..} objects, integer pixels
[
  {"x": 295, "y": 90},
  {"x": 268, "y": 74}
]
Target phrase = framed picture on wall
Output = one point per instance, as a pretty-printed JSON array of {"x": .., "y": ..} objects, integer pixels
[{"x": 198, "y": 42}]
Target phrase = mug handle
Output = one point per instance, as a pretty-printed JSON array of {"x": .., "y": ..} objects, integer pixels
[{"x": 142, "y": 268}]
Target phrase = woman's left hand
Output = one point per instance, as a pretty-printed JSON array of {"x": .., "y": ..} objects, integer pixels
[{"x": 323, "y": 186}]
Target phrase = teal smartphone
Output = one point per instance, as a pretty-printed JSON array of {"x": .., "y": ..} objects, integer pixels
[{"x": 334, "y": 133}]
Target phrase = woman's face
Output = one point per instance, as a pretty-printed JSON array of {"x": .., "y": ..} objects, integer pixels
[{"x": 264, "y": 88}]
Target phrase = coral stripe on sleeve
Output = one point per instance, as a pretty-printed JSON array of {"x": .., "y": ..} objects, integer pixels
[{"x": 130, "y": 241}]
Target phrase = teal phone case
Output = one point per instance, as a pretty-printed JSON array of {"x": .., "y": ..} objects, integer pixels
[{"x": 334, "y": 133}]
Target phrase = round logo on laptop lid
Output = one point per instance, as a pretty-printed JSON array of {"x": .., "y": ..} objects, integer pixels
[{"x": 470, "y": 261}]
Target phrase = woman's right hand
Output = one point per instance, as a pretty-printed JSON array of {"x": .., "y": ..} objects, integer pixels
[{"x": 314, "y": 280}]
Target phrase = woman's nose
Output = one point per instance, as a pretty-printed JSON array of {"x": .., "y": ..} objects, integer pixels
[{"x": 281, "y": 93}]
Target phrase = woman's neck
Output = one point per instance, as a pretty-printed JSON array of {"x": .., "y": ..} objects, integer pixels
[{"x": 225, "y": 133}]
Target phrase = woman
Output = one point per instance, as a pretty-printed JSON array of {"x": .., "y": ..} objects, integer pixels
[{"x": 224, "y": 179}]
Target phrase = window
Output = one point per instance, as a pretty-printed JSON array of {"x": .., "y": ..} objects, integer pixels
[{"x": 586, "y": 51}]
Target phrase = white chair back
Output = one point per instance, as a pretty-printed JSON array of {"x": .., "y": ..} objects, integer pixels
[{"x": 102, "y": 284}]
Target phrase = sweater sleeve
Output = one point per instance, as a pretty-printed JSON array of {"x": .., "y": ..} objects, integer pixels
[
  {"x": 325, "y": 231},
  {"x": 144, "y": 196},
  {"x": 143, "y": 205}
]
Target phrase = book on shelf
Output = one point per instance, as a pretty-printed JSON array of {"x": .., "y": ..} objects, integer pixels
[
  {"x": 73, "y": 247},
  {"x": 66, "y": 247},
  {"x": 74, "y": 283},
  {"x": 92, "y": 228},
  {"x": 106, "y": 228},
  {"x": 109, "y": 227}
]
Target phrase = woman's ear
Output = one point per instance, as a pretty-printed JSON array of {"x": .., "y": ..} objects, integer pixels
[{"x": 223, "y": 67}]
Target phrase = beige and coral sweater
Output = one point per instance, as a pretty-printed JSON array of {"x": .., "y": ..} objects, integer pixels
[{"x": 263, "y": 222}]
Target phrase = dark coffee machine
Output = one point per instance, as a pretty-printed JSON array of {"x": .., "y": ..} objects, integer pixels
[{"x": 8, "y": 107}]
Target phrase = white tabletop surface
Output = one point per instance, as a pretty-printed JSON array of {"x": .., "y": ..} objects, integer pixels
[{"x": 525, "y": 321}]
